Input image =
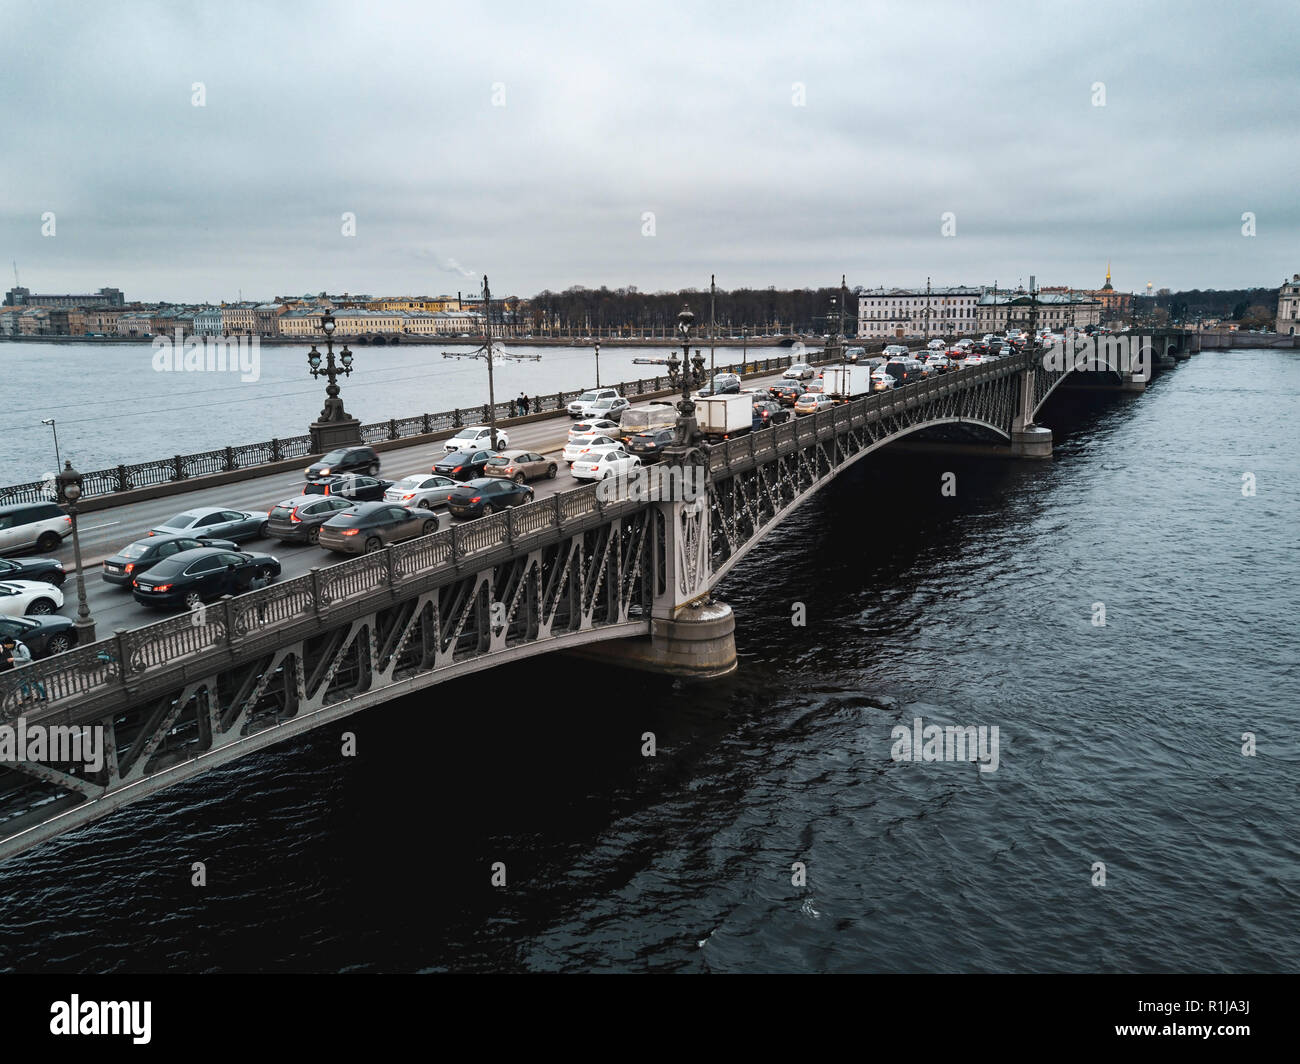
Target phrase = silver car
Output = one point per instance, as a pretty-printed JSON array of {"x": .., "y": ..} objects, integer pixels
[
  {"x": 424, "y": 491},
  {"x": 234, "y": 525}
]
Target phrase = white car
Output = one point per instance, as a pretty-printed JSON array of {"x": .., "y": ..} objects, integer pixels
[
  {"x": 935, "y": 345},
  {"x": 883, "y": 382},
  {"x": 582, "y": 406},
  {"x": 582, "y": 445},
  {"x": 474, "y": 437},
  {"x": 597, "y": 426},
  {"x": 800, "y": 371},
  {"x": 28, "y": 598},
  {"x": 423, "y": 490},
  {"x": 599, "y": 466},
  {"x": 974, "y": 360}
]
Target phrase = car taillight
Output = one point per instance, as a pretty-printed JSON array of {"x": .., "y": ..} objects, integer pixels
[
  {"x": 130, "y": 567},
  {"x": 151, "y": 533},
  {"x": 162, "y": 587},
  {"x": 458, "y": 469},
  {"x": 411, "y": 496},
  {"x": 293, "y": 516},
  {"x": 67, "y": 520},
  {"x": 351, "y": 531},
  {"x": 477, "y": 498},
  {"x": 510, "y": 469}
]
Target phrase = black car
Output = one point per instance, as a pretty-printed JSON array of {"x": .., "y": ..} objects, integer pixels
[
  {"x": 143, "y": 554},
  {"x": 768, "y": 412},
  {"x": 649, "y": 446},
  {"x": 46, "y": 570},
  {"x": 43, "y": 636},
  {"x": 786, "y": 392},
  {"x": 463, "y": 465},
  {"x": 722, "y": 384},
  {"x": 487, "y": 495},
  {"x": 345, "y": 460},
  {"x": 298, "y": 520},
  {"x": 352, "y": 486},
  {"x": 191, "y": 577}
]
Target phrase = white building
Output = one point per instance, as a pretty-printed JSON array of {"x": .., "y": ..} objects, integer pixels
[
  {"x": 1056, "y": 310},
  {"x": 1288, "y": 308},
  {"x": 913, "y": 312}
]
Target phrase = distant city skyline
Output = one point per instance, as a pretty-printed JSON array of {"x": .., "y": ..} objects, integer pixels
[{"x": 649, "y": 147}]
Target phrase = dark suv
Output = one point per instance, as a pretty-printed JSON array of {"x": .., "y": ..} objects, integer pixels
[
  {"x": 649, "y": 446},
  {"x": 298, "y": 520},
  {"x": 768, "y": 412},
  {"x": 346, "y": 460}
]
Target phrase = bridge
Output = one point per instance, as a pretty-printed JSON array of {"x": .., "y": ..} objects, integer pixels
[{"x": 603, "y": 570}]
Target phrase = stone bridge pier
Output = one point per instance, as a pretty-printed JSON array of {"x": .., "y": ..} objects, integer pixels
[
  {"x": 1027, "y": 439},
  {"x": 691, "y": 634}
]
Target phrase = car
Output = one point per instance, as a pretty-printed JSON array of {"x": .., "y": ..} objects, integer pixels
[
  {"x": 581, "y": 406},
  {"x": 44, "y": 570},
  {"x": 346, "y": 460},
  {"x": 883, "y": 381},
  {"x": 722, "y": 384},
  {"x": 370, "y": 526},
  {"x": 583, "y": 444},
  {"x": 353, "y": 486},
  {"x": 43, "y": 636},
  {"x": 138, "y": 557},
  {"x": 484, "y": 496},
  {"x": 32, "y": 524},
  {"x": 608, "y": 409},
  {"x": 939, "y": 362},
  {"x": 474, "y": 437},
  {"x": 800, "y": 371},
  {"x": 852, "y": 354},
  {"x": 20, "y": 598},
  {"x": 462, "y": 465},
  {"x": 423, "y": 491},
  {"x": 786, "y": 392},
  {"x": 237, "y": 525},
  {"x": 936, "y": 345},
  {"x": 298, "y": 520},
  {"x": 594, "y": 426},
  {"x": 964, "y": 342},
  {"x": 601, "y": 465},
  {"x": 190, "y": 578},
  {"x": 520, "y": 466},
  {"x": 768, "y": 412},
  {"x": 974, "y": 359},
  {"x": 814, "y": 388},
  {"x": 650, "y": 446},
  {"x": 812, "y": 402},
  {"x": 896, "y": 351}
]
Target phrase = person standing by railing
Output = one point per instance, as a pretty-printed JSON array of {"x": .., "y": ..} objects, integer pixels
[{"x": 15, "y": 655}]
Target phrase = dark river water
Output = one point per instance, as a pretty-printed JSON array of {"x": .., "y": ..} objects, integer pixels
[{"x": 1119, "y": 744}]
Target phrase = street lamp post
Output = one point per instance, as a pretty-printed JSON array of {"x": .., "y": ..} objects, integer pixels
[
  {"x": 334, "y": 426},
  {"x": 69, "y": 484},
  {"x": 597, "y": 363},
  {"x": 58, "y": 461},
  {"x": 681, "y": 371}
]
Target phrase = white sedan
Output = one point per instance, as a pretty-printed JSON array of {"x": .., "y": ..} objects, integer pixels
[
  {"x": 973, "y": 360},
  {"x": 603, "y": 464},
  {"x": 28, "y": 598},
  {"x": 600, "y": 426},
  {"x": 422, "y": 490},
  {"x": 800, "y": 371},
  {"x": 582, "y": 445},
  {"x": 474, "y": 437}
]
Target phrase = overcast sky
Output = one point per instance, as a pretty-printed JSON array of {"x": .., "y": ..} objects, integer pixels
[{"x": 692, "y": 111}]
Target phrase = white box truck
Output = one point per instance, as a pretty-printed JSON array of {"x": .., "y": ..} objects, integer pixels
[
  {"x": 721, "y": 417},
  {"x": 846, "y": 382}
]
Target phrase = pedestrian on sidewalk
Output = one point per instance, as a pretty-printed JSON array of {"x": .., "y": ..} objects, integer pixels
[{"x": 525, "y": 404}]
